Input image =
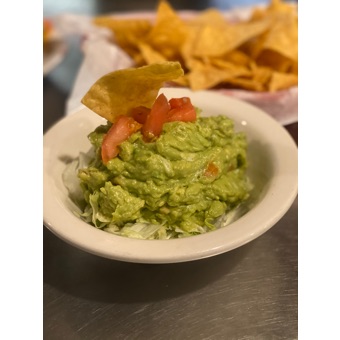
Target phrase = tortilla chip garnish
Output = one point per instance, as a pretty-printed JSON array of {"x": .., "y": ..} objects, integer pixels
[{"x": 116, "y": 93}]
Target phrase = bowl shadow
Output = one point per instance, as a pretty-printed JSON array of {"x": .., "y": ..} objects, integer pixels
[{"x": 78, "y": 273}]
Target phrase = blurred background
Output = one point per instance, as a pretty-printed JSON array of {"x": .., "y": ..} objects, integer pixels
[
  {"x": 60, "y": 79},
  {"x": 52, "y": 7},
  {"x": 59, "y": 82}
]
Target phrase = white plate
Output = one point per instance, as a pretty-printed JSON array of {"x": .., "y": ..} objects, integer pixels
[{"x": 273, "y": 159}]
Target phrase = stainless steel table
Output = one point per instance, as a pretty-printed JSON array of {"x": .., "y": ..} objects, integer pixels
[{"x": 248, "y": 293}]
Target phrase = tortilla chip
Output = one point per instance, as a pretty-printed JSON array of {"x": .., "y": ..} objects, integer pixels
[
  {"x": 168, "y": 33},
  {"x": 224, "y": 64},
  {"x": 126, "y": 32},
  {"x": 150, "y": 55},
  {"x": 204, "y": 76},
  {"x": 116, "y": 93},
  {"x": 276, "y": 61},
  {"x": 283, "y": 34},
  {"x": 47, "y": 30},
  {"x": 209, "y": 17},
  {"x": 238, "y": 57},
  {"x": 283, "y": 38},
  {"x": 281, "y": 81},
  {"x": 217, "y": 41},
  {"x": 247, "y": 84}
]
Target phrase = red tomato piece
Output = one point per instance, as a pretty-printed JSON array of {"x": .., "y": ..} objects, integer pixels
[
  {"x": 211, "y": 170},
  {"x": 120, "y": 131},
  {"x": 181, "y": 110},
  {"x": 178, "y": 102},
  {"x": 140, "y": 113},
  {"x": 158, "y": 115}
]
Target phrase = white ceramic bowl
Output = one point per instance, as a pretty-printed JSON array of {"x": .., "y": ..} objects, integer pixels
[{"x": 273, "y": 167}]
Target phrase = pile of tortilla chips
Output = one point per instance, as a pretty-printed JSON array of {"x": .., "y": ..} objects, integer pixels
[{"x": 259, "y": 54}]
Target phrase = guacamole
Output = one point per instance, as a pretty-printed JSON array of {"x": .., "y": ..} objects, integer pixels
[{"x": 175, "y": 186}]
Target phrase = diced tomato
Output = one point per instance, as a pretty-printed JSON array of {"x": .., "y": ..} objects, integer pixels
[
  {"x": 140, "y": 113},
  {"x": 211, "y": 170},
  {"x": 184, "y": 113},
  {"x": 162, "y": 111},
  {"x": 157, "y": 117},
  {"x": 120, "y": 131},
  {"x": 178, "y": 102},
  {"x": 181, "y": 110}
]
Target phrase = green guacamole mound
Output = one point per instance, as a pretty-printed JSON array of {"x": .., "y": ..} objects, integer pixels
[{"x": 165, "y": 189}]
